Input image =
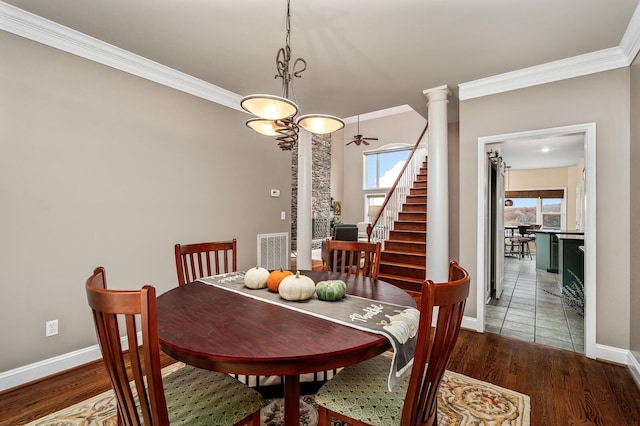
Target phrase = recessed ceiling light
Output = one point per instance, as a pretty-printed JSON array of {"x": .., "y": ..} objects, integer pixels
[{"x": 545, "y": 149}]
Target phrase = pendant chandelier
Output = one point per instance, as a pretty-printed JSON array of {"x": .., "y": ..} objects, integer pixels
[{"x": 275, "y": 115}]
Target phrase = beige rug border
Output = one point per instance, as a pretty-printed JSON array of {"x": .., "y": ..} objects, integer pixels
[{"x": 526, "y": 399}]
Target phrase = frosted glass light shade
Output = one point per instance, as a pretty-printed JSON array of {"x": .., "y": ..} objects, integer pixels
[
  {"x": 264, "y": 127},
  {"x": 269, "y": 107},
  {"x": 320, "y": 124}
]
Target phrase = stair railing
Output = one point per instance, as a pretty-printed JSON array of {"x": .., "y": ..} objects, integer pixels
[{"x": 379, "y": 229}]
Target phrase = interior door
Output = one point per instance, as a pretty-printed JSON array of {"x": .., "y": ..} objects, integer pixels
[
  {"x": 488, "y": 228},
  {"x": 498, "y": 229},
  {"x": 494, "y": 227}
]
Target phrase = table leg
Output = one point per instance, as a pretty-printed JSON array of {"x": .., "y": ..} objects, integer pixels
[{"x": 292, "y": 400}]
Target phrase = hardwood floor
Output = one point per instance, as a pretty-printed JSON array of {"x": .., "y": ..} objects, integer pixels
[
  {"x": 566, "y": 388},
  {"x": 50, "y": 394}
]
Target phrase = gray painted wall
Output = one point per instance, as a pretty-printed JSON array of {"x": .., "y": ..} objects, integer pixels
[
  {"x": 602, "y": 98},
  {"x": 98, "y": 167}
]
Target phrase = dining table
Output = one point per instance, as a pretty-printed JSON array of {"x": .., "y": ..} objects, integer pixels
[{"x": 220, "y": 330}]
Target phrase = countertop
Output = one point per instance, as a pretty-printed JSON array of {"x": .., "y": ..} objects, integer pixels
[
  {"x": 563, "y": 236},
  {"x": 558, "y": 231}
]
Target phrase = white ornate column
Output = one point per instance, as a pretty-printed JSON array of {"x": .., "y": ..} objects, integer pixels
[
  {"x": 438, "y": 185},
  {"x": 303, "y": 232}
]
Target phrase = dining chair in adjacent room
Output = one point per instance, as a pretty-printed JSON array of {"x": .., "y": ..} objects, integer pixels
[
  {"x": 359, "y": 393},
  {"x": 199, "y": 260},
  {"x": 353, "y": 257},
  {"x": 186, "y": 396}
]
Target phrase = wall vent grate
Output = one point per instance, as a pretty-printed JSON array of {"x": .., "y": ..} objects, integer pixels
[{"x": 273, "y": 251}]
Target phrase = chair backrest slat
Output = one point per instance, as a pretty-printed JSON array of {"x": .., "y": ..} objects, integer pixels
[
  {"x": 199, "y": 260},
  {"x": 352, "y": 257},
  {"x": 434, "y": 344}
]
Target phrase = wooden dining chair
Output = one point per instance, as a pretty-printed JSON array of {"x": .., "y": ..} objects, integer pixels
[
  {"x": 187, "y": 396},
  {"x": 359, "y": 394},
  {"x": 199, "y": 260},
  {"x": 352, "y": 257}
]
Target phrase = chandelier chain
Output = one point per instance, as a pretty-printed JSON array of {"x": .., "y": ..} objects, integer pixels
[{"x": 283, "y": 60}]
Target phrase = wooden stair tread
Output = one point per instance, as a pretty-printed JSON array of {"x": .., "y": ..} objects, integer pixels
[
  {"x": 401, "y": 265},
  {"x": 402, "y": 254},
  {"x": 401, "y": 278},
  {"x": 407, "y": 242},
  {"x": 408, "y": 253}
]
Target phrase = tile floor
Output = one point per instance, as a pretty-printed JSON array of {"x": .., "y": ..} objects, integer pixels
[{"x": 532, "y": 309}]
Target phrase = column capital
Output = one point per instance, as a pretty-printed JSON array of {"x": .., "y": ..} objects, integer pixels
[{"x": 435, "y": 94}]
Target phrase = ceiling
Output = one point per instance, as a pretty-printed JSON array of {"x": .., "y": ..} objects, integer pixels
[
  {"x": 543, "y": 153},
  {"x": 362, "y": 55}
]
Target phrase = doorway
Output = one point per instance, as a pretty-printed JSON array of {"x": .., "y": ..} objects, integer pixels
[{"x": 487, "y": 227}]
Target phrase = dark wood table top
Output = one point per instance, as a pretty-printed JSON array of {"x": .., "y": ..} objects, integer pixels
[{"x": 219, "y": 330}]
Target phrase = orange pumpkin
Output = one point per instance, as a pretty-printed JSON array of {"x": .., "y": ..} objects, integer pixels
[{"x": 273, "y": 281}]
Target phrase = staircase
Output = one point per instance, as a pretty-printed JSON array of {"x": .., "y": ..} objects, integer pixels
[{"x": 403, "y": 260}]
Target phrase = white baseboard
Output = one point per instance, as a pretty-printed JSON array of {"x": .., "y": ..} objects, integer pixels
[
  {"x": 470, "y": 323},
  {"x": 610, "y": 353},
  {"x": 37, "y": 370}
]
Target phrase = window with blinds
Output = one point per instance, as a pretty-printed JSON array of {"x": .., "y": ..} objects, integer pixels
[
  {"x": 535, "y": 193},
  {"x": 535, "y": 206}
]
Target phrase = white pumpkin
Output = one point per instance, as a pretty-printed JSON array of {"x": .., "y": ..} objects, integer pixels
[
  {"x": 297, "y": 287},
  {"x": 256, "y": 277}
]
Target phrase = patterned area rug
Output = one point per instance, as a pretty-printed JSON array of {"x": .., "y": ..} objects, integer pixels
[{"x": 462, "y": 401}]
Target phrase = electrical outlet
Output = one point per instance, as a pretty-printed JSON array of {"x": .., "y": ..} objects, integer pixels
[{"x": 51, "y": 328}]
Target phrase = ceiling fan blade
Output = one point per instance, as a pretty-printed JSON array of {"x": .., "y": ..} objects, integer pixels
[
  {"x": 371, "y": 139},
  {"x": 350, "y": 143},
  {"x": 365, "y": 142}
]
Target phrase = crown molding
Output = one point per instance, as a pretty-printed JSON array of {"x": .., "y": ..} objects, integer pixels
[
  {"x": 630, "y": 42},
  {"x": 576, "y": 66},
  {"x": 589, "y": 63},
  {"x": 388, "y": 112},
  {"x": 33, "y": 27}
]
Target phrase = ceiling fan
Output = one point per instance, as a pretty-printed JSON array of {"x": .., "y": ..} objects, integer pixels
[{"x": 358, "y": 139}]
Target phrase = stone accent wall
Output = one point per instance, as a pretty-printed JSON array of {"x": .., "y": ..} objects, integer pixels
[{"x": 321, "y": 186}]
